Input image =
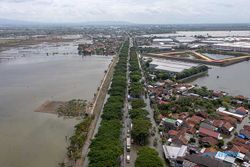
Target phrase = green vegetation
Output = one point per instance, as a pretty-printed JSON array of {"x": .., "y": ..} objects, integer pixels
[
  {"x": 140, "y": 131},
  {"x": 190, "y": 104},
  {"x": 163, "y": 75},
  {"x": 72, "y": 108},
  {"x": 203, "y": 91},
  {"x": 192, "y": 71},
  {"x": 148, "y": 157},
  {"x": 149, "y": 50},
  {"x": 138, "y": 113},
  {"x": 141, "y": 124},
  {"x": 106, "y": 147},
  {"x": 138, "y": 103},
  {"x": 77, "y": 140},
  {"x": 136, "y": 88}
]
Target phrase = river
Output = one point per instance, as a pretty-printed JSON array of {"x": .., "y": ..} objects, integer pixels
[
  {"x": 234, "y": 79},
  {"x": 30, "y": 139}
]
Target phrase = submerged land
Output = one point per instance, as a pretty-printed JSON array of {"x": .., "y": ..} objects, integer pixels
[{"x": 155, "y": 95}]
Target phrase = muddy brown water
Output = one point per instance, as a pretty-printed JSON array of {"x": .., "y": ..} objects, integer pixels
[{"x": 32, "y": 139}]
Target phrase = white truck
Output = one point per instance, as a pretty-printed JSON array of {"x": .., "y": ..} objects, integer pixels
[{"x": 128, "y": 143}]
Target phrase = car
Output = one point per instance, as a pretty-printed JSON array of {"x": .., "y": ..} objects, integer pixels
[{"x": 128, "y": 158}]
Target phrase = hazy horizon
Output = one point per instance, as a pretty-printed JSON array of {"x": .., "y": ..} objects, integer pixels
[{"x": 132, "y": 11}]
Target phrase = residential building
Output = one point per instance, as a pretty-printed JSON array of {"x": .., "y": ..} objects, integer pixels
[{"x": 209, "y": 133}]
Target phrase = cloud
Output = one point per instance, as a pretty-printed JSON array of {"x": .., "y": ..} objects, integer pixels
[{"x": 138, "y": 11}]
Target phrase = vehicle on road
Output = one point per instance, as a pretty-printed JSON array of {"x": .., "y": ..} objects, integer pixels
[
  {"x": 128, "y": 158},
  {"x": 128, "y": 142}
]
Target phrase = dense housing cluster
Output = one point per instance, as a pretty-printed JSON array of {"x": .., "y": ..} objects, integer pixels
[{"x": 106, "y": 147}]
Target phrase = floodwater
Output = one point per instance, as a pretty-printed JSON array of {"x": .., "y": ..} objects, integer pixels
[
  {"x": 30, "y": 139},
  {"x": 217, "y": 56},
  {"x": 234, "y": 79},
  {"x": 205, "y": 33}
]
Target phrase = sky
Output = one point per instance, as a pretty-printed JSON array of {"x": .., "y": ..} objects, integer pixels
[{"x": 135, "y": 11}]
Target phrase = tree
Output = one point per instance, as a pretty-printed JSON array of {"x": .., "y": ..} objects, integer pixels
[
  {"x": 138, "y": 113},
  {"x": 221, "y": 143},
  {"x": 148, "y": 157},
  {"x": 138, "y": 103},
  {"x": 140, "y": 131}
]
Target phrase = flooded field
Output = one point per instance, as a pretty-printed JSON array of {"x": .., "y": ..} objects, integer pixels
[
  {"x": 233, "y": 79},
  {"x": 39, "y": 73},
  {"x": 217, "y": 56},
  {"x": 205, "y": 33}
]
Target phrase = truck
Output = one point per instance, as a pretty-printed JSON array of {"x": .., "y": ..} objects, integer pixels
[{"x": 128, "y": 143}]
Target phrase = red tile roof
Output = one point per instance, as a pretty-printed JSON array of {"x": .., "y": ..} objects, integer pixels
[
  {"x": 246, "y": 127},
  {"x": 218, "y": 123},
  {"x": 240, "y": 97},
  {"x": 227, "y": 125},
  {"x": 239, "y": 149},
  {"x": 210, "y": 150},
  {"x": 172, "y": 132},
  {"x": 242, "y": 110},
  {"x": 191, "y": 131},
  {"x": 196, "y": 119},
  {"x": 212, "y": 141},
  {"x": 207, "y": 132},
  {"x": 232, "y": 120}
]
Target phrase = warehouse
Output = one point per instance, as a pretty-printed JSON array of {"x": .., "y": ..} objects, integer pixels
[
  {"x": 170, "y": 66},
  {"x": 236, "y": 46}
]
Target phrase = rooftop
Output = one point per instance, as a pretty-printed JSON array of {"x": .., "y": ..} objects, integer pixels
[
  {"x": 208, "y": 132},
  {"x": 172, "y": 66},
  {"x": 235, "y": 44},
  {"x": 172, "y": 152}
]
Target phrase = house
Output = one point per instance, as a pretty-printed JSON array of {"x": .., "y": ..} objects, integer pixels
[
  {"x": 240, "y": 97},
  {"x": 208, "y": 141},
  {"x": 218, "y": 123},
  {"x": 195, "y": 120},
  {"x": 209, "y": 133},
  {"x": 205, "y": 160},
  {"x": 240, "y": 149},
  {"x": 245, "y": 133},
  {"x": 208, "y": 126},
  {"x": 246, "y": 127},
  {"x": 181, "y": 116},
  {"x": 182, "y": 138},
  {"x": 241, "y": 111},
  {"x": 232, "y": 120},
  {"x": 209, "y": 150},
  {"x": 171, "y": 124},
  {"x": 241, "y": 142},
  {"x": 172, "y": 153},
  {"x": 172, "y": 133},
  {"x": 226, "y": 128},
  {"x": 202, "y": 114},
  {"x": 225, "y": 157},
  {"x": 217, "y": 93},
  {"x": 191, "y": 131},
  {"x": 222, "y": 111}
]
